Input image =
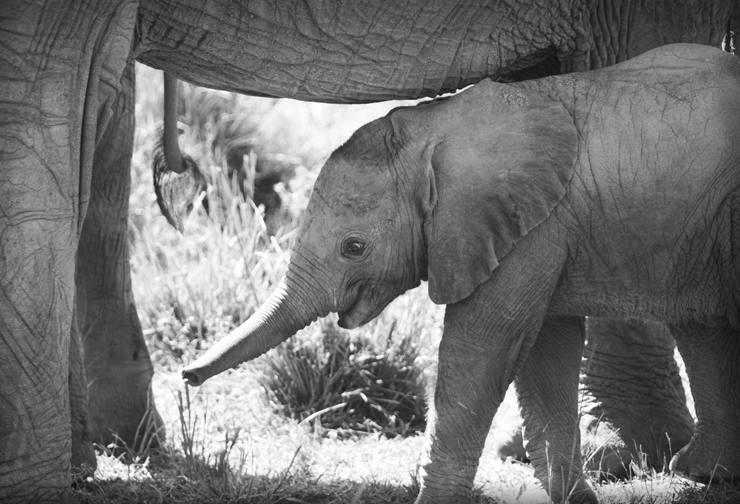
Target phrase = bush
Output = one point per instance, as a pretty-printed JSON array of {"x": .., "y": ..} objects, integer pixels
[{"x": 351, "y": 383}]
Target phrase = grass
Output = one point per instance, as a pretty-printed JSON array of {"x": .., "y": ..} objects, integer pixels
[
  {"x": 357, "y": 382},
  {"x": 230, "y": 440}
]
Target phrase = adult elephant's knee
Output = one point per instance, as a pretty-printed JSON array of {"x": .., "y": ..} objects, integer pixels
[
  {"x": 632, "y": 393},
  {"x": 117, "y": 363}
]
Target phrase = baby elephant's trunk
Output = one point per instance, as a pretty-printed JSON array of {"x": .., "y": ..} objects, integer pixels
[{"x": 278, "y": 319}]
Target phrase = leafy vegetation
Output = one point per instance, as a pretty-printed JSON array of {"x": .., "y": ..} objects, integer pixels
[{"x": 349, "y": 382}]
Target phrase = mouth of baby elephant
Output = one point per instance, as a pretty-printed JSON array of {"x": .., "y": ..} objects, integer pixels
[{"x": 359, "y": 312}]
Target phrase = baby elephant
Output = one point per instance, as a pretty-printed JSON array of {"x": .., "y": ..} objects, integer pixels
[{"x": 609, "y": 193}]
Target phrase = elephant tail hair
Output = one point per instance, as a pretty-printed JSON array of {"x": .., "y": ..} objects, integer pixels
[{"x": 177, "y": 177}]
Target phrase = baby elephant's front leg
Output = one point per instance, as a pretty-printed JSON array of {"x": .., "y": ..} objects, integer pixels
[
  {"x": 465, "y": 401},
  {"x": 478, "y": 357}
]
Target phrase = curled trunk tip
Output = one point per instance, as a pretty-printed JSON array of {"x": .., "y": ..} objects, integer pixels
[{"x": 191, "y": 378}]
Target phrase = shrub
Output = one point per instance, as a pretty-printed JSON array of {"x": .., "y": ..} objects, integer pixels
[{"x": 349, "y": 382}]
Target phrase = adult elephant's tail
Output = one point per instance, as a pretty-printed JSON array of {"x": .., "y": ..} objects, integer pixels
[{"x": 177, "y": 178}]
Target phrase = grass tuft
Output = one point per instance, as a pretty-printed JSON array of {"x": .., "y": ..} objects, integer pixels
[{"x": 351, "y": 382}]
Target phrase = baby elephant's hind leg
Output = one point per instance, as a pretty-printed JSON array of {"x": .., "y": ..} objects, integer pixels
[
  {"x": 712, "y": 358},
  {"x": 547, "y": 387}
]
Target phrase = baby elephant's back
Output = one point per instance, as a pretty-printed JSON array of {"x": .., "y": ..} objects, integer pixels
[
  {"x": 658, "y": 170},
  {"x": 669, "y": 116},
  {"x": 678, "y": 102},
  {"x": 663, "y": 135},
  {"x": 660, "y": 138}
]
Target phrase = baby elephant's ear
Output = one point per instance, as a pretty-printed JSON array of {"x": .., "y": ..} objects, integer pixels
[{"x": 502, "y": 158}]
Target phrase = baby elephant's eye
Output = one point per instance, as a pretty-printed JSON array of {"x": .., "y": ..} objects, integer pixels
[{"x": 353, "y": 247}]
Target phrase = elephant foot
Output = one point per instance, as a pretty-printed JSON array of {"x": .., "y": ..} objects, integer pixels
[
  {"x": 449, "y": 484},
  {"x": 711, "y": 354},
  {"x": 582, "y": 493},
  {"x": 83, "y": 461},
  {"x": 607, "y": 455},
  {"x": 610, "y": 464},
  {"x": 561, "y": 491},
  {"x": 699, "y": 462}
]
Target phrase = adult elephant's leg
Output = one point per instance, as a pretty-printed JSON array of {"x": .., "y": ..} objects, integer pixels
[
  {"x": 712, "y": 358},
  {"x": 119, "y": 370},
  {"x": 633, "y": 399},
  {"x": 51, "y": 59},
  {"x": 37, "y": 246},
  {"x": 547, "y": 388},
  {"x": 83, "y": 455}
]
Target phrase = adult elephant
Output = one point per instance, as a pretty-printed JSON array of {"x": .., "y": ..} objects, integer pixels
[{"x": 67, "y": 89}]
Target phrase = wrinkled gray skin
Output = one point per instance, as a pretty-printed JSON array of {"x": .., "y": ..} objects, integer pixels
[
  {"x": 64, "y": 166},
  {"x": 614, "y": 193},
  {"x": 630, "y": 423},
  {"x": 631, "y": 398}
]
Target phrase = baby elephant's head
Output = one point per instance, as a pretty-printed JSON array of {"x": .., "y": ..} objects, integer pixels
[{"x": 361, "y": 240}]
